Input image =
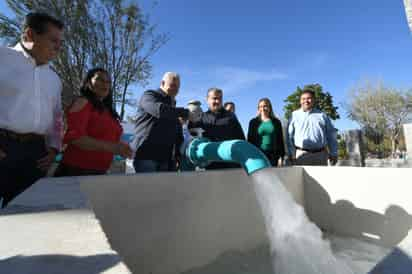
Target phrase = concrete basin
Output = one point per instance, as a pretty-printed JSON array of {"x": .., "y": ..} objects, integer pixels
[{"x": 173, "y": 223}]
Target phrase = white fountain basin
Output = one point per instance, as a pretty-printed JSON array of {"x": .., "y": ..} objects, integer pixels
[{"x": 188, "y": 222}]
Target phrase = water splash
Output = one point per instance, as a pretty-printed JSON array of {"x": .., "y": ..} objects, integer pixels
[{"x": 296, "y": 243}]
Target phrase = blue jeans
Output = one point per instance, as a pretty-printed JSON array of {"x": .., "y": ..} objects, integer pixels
[{"x": 141, "y": 166}]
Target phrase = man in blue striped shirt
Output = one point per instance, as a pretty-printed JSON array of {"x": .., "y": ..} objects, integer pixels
[{"x": 311, "y": 137}]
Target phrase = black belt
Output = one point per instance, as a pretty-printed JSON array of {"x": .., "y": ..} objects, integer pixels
[
  {"x": 315, "y": 150},
  {"x": 21, "y": 137}
]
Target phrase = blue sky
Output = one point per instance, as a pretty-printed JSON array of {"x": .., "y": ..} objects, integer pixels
[{"x": 266, "y": 48}]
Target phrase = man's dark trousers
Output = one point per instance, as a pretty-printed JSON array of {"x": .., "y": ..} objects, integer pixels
[{"x": 18, "y": 170}]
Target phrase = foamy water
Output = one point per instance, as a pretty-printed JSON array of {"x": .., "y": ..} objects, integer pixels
[
  {"x": 296, "y": 244},
  {"x": 359, "y": 255}
]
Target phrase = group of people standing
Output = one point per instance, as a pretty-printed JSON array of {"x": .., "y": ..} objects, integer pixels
[
  {"x": 311, "y": 137},
  {"x": 31, "y": 120}
]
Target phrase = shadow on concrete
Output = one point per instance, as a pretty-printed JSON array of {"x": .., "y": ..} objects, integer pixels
[
  {"x": 257, "y": 260},
  {"x": 58, "y": 264},
  {"x": 396, "y": 262},
  {"x": 344, "y": 218},
  {"x": 25, "y": 209}
]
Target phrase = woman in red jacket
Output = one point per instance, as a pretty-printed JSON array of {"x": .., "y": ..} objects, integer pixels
[{"x": 93, "y": 129}]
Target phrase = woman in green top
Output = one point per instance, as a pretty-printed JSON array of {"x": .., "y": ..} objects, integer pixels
[{"x": 265, "y": 132}]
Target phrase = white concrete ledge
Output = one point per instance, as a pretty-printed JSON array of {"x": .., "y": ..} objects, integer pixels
[
  {"x": 169, "y": 223},
  {"x": 51, "y": 229}
]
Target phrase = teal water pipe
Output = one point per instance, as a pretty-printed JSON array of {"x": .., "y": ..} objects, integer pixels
[{"x": 201, "y": 152}]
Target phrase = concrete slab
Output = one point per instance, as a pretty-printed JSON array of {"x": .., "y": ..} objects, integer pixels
[
  {"x": 173, "y": 222},
  {"x": 176, "y": 221},
  {"x": 51, "y": 229}
]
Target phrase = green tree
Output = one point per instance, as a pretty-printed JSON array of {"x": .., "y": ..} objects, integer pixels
[
  {"x": 342, "y": 151},
  {"x": 323, "y": 101},
  {"x": 113, "y": 34},
  {"x": 380, "y": 111}
]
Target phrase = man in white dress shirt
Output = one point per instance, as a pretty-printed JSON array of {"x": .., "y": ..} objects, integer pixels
[{"x": 30, "y": 106}]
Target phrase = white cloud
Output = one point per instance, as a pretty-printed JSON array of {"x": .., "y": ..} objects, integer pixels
[{"x": 231, "y": 80}]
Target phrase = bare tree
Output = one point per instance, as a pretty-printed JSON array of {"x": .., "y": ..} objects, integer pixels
[
  {"x": 379, "y": 110},
  {"x": 113, "y": 34}
]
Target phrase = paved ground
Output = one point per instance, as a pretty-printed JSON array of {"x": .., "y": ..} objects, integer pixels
[{"x": 51, "y": 229}]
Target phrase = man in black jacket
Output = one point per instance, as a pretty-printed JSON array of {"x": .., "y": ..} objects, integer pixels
[
  {"x": 158, "y": 130},
  {"x": 219, "y": 124}
]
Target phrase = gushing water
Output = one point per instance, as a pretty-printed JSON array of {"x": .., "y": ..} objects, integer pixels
[{"x": 296, "y": 243}]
